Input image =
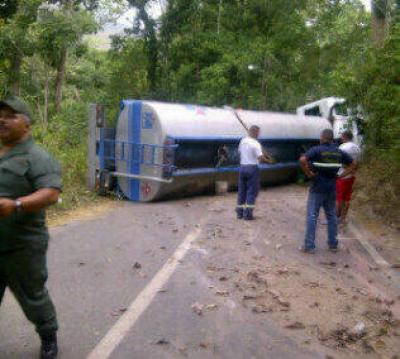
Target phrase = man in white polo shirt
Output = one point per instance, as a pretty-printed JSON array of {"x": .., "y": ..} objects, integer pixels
[
  {"x": 344, "y": 185},
  {"x": 251, "y": 154}
]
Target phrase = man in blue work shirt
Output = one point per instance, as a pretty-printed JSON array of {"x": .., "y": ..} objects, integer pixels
[
  {"x": 251, "y": 154},
  {"x": 321, "y": 164}
]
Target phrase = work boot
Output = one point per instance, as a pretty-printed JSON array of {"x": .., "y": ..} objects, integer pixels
[
  {"x": 239, "y": 213},
  {"x": 307, "y": 250},
  {"x": 49, "y": 349},
  {"x": 248, "y": 214}
]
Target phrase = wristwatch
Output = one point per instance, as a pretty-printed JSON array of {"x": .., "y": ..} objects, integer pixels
[{"x": 18, "y": 206}]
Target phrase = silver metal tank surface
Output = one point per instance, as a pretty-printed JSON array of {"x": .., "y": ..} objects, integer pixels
[{"x": 166, "y": 150}]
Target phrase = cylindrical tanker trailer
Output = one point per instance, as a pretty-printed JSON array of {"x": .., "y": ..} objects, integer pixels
[{"x": 160, "y": 150}]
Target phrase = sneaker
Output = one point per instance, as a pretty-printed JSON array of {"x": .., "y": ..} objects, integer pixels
[
  {"x": 307, "y": 251},
  {"x": 49, "y": 349},
  {"x": 334, "y": 249}
]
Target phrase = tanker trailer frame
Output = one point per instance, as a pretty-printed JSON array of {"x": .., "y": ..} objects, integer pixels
[{"x": 160, "y": 150}]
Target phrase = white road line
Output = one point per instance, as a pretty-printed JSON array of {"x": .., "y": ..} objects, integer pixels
[
  {"x": 368, "y": 247},
  {"x": 116, "y": 334}
]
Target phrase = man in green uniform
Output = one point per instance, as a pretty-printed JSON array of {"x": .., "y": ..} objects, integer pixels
[{"x": 29, "y": 182}]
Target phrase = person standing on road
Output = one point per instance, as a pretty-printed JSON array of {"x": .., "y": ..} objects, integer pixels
[
  {"x": 29, "y": 182},
  {"x": 344, "y": 185},
  {"x": 321, "y": 164},
  {"x": 251, "y": 154}
]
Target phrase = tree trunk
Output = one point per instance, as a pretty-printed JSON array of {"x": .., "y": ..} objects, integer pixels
[
  {"x": 14, "y": 79},
  {"x": 60, "y": 79},
  {"x": 380, "y": 19},
  {"x": 378, "y": 30},
  {"x": 46, "y": 98},
  {"x": 264, "y": 85}
]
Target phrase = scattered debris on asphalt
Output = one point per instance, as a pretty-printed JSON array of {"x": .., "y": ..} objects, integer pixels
[
  {"x": 137, "y": 265},
  {"x": 118, "y": 312},
  {"x": 261, "y": 308},
  {"x": 197, "y": 308},
  {"x": 162, "y": 341},
  {"x": 358, "y": 331},
  {"x": 328, "y": 263},
  {"x": 295, "y": 325},
  {"x": 142, "y": 274}
]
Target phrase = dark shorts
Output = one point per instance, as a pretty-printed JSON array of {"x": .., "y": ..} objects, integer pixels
[{"x": 344, "y": 189}]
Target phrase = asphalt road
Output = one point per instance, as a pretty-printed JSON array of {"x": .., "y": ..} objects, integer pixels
[{"x": 177, "y": 274}]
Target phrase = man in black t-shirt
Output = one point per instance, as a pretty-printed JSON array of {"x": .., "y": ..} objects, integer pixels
[{"x": 321, "y": 164}]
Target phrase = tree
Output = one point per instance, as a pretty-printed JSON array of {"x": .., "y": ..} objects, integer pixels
[
  {"x": 16, "y": 41},
  {"x": 89, "y": 5},
  {"x": 60, "y": 30},
  {"x": 8, "y": 8},
  {"x": 145, "y": 26}
]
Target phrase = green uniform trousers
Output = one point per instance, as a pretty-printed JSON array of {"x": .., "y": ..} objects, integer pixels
[{"x": 24, "y": 272}]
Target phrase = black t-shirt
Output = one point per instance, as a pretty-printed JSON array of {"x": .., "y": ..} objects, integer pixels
[{"x": 326, "y": 160}]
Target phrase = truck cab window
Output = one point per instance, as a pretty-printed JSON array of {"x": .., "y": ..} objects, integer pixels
[
  {"x": 341, "y": 109},
  {"x": 313, "y": 111}
]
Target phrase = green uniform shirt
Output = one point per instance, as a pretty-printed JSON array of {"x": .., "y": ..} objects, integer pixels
[{"x": 25, "y": 169}]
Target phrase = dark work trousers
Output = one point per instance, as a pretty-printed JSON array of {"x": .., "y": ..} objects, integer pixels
[
  {"x": 24, "y": 272},
  {"x": 249, "y": 186}
]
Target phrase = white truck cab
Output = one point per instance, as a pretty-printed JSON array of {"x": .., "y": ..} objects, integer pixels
[{"x": 336, "y": 111}]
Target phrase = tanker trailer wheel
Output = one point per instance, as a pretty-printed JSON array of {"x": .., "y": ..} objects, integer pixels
[{"x": 103, "y": 182}]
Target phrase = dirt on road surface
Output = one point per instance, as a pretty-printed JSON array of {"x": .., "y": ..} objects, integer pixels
[{"x": 185, "y": 278}]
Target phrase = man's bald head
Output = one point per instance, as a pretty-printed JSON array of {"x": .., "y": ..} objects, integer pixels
[
  {"x": 326, "y": 136},
  {"x": 254, "y": 131}
]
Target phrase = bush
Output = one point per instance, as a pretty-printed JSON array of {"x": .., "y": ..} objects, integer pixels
[
  {"x": 378, "y": 186},
  {"x": 65, "y": 138}
]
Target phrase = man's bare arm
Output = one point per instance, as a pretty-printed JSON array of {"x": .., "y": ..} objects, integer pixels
[
  {"x": 32, "y": 203},
  {"x": 350, "y": 169},
  {"x": 305, "y": 167},
  {"x": 266, "y": 157}
]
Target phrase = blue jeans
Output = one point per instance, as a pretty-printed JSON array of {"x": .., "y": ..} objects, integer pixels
[{"x": 316, "y": 200}]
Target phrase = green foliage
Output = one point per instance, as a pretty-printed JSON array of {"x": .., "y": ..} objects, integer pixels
[
  {"x": 257, "y": 54},
  {"x": 8, "y": 8},
  {"x": 62, "y": 29},
  {"x": 16, "y": 42},
  {"x": 65, "y": 138},
  {"x": 377, "y": 88}
]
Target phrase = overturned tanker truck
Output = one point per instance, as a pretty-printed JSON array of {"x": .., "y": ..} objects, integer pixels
[{"x": 162, "y": 150}]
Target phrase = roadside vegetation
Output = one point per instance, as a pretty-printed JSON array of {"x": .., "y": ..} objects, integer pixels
[{"x": 257, "y": 54}]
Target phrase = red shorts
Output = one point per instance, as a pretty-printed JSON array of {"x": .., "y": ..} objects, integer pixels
[{"x": 344, "y": 189}]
